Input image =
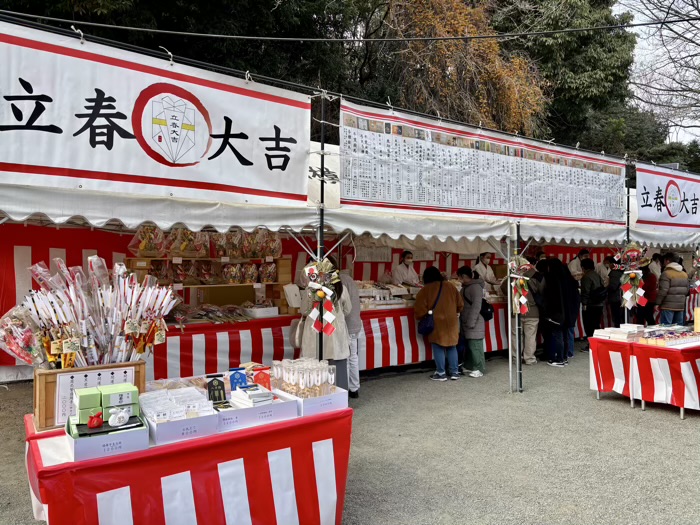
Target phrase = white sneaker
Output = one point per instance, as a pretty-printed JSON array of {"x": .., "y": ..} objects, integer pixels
[{"x": 476, "y": 373}]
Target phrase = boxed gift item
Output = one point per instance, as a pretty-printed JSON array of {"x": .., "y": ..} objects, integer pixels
[
  {"x": 235, "y": 414},
  {"x": 318, "y": 405},
  {"x": 178, "y": 415},
  {"x": 84, "y": 398},
  {"x": 117, "y": 395},
  {"x": 107, "y": 422},
  {"x": 108, "y": 443}
]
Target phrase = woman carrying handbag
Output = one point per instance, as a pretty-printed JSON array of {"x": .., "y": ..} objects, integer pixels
[{"x": 440, "y": 302}]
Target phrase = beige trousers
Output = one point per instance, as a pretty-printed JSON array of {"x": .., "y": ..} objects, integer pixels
[{"x": 529, "y": 344}]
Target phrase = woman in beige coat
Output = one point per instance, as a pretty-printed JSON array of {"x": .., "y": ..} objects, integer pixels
[
  {"x": 336, "y": 347},
  {"x": 446, "y": 311}
]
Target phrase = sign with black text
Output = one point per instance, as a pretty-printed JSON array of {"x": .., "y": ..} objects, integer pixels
[
  {"x": 409, "y": 164},
  {"x": 92, "y": 117},
  {"x": 667, "y": 198}
]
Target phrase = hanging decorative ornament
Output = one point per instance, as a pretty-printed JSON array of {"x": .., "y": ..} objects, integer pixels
[
  {"x": 322, "y": 276},
  {"x": 519, "y": 282},
  {"x": 632, "y": 257}
]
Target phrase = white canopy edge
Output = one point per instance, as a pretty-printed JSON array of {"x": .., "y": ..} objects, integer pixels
[
  {"x": 572, "y": 233},
  {"x": 466, "y": 247},
  {"x": 371, "y": 221},
  {"x": 20, "y": 203}
]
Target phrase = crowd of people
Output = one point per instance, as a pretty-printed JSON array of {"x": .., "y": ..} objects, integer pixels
[{"x": 557, "y": 293}]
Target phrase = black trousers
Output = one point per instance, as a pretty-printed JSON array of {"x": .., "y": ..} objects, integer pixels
[
  {"x": 645, "y": 314},
  {"x": 591, "y": 319},
  {"x": 617, "y": 314}
]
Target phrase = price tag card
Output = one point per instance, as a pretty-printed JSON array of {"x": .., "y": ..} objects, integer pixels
[
  {"x": 177, "y": 286},
  {"x": 269, "y": 258},
  {"x": 225, "y": 259},
  {"x": 177, "y": 260},
  {"x": 142, "y": 264}
]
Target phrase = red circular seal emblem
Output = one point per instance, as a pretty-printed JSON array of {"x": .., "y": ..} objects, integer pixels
[
  {"x": 171, "y": 125},
  {"x": 673, "y": 198}
]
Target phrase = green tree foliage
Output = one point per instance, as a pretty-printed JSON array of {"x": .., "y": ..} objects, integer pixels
[
  {"x": 588, "y": 71},
  {"x": 623, "y": 129}
]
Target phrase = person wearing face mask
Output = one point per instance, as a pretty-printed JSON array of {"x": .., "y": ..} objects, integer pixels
[
  {"x": 483, "y": 268},
  {"x": 403, "y": 273},
  {"x": 575, "y": 264}
]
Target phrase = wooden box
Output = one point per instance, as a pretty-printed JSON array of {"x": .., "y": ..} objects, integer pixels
[{"x": 45, "y": 389}]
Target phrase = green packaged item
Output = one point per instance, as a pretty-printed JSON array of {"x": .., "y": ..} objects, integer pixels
[
  {"x": 84, "y": 398},
  {"x": 118, "y": 395}
]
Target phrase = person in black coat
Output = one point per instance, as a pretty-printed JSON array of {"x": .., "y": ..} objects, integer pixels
[
  {"x": 614, "y": 290},
  {"x": 554, "y": 317},
  {"x": 572, "y": 308}
]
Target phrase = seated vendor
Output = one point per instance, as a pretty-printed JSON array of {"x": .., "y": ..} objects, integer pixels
[{"x": 403, "y": 273}]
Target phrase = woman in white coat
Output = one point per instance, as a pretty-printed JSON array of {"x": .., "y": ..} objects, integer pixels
[{"x": 336, "y": 347}]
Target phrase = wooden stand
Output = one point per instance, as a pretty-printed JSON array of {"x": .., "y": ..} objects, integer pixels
[{"x": 45, "y": 389}]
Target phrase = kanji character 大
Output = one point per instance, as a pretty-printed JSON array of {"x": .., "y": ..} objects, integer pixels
[{"x": 226, "y": 137}]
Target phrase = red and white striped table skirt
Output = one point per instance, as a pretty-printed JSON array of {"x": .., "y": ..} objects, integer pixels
[
  {"x": 292, "y": 472},
  {"x": 648, "y": 373}
]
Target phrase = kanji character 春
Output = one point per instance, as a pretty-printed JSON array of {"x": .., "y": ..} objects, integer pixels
[
  {"x": 659, "y": 201},
  {"x": 102, "y": 108},
  {"x": 226, "y": 137},
  {"x": 645, "y": 197},
  {"x": 39, "y": 108},
  {"x": 277, "y": 147}
]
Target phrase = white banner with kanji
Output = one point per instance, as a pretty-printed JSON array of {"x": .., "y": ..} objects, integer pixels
[
  {"x": 87, "y": 117},
  {"x": 667, "y": 199}
]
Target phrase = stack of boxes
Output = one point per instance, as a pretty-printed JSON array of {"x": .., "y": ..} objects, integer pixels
[
  {"x": 284, "y": 275},
  {"x": 90, "y": 401}
]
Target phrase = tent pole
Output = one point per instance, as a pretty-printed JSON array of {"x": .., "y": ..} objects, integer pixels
[
  {"x": 518, "y": 325},
  {"x": 510, "y": 317},
  {"x": 627, "y": 234},
  {"x": 321, "y": 225}
]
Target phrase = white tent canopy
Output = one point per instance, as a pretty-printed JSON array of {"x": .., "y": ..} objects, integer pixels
[
  {"x": 440, "y": 227},
  {"x": 20, "y": 203},
  {"x": 572, "y": 233}
]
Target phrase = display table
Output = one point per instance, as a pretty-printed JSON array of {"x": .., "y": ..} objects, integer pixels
[
  {"x": 389, "y": 338},
  {"x": 292, "y": 472},
  {"x": 207, "y": 348},
  {"x": 648, "y": 373}
]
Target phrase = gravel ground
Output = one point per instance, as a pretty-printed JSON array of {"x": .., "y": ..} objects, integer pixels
[{"x": 470, "y": 452}]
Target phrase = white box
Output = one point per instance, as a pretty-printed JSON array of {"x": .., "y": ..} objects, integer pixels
[
  {"x": 253, "y": 416},
  {"x": 105, "y": 445},
  {"x": 318, "y": 405},
  {"x": 182, "y": 429},
  {"x": 261, "y": 313}
]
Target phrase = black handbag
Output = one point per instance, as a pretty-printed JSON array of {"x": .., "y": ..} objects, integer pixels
[{"x": 427, "y": 324}]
